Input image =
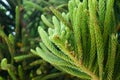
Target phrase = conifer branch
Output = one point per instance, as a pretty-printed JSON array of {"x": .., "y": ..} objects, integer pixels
[
  {"x": 101, "y": 12},
  {"x": 66, "y": 46},
  {"x": 107, "y": 21},
  {"x": 111, "y": 56}
]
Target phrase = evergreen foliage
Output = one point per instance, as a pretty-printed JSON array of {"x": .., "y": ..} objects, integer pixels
[
  {"x": 84, "y": 41},
  {"x": 19, "y": 20}
]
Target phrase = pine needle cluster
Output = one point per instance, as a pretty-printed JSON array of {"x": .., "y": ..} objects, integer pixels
[{"x": 84, "y": 41}]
